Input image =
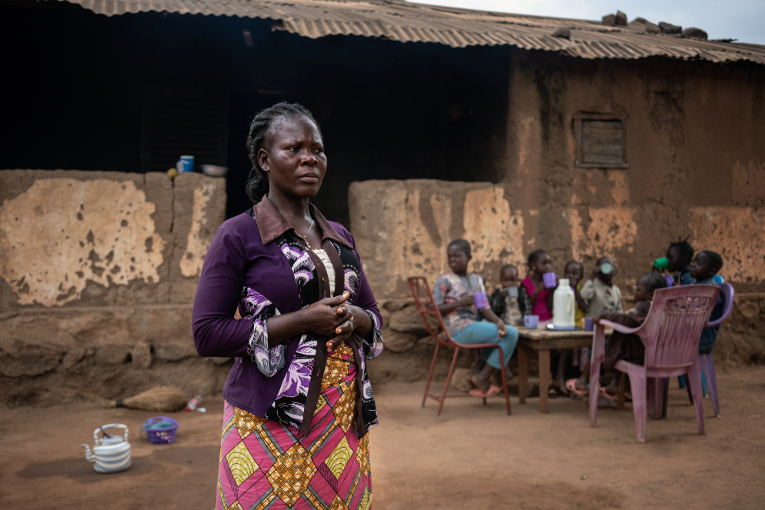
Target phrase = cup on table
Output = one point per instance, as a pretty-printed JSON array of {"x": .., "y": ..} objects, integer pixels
[
  {"x": 480, "y": 300},
  {"x": 512, "y": 292},
  {"x": 531, "y": 321},
  {"x": 549, "y": 280},
  {"x": 588, "y": 326}
]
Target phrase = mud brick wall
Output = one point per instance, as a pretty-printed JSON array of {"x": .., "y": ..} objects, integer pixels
[
  {"x": 695, "y": 168},
  {"x": 98, "y": 272}
]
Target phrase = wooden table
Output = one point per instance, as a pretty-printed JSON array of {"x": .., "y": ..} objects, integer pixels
[{"x": 542, "y": 340}]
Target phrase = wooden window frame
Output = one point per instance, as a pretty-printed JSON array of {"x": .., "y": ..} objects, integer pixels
[{"x": 578, "y": 118}]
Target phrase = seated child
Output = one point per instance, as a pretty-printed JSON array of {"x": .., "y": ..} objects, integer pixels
[
  {"x": 535, "y": 298},
  {"x": 679, "y": 256},
  {"x": 601, "y": 294},
  {"x": 599, "y": 290},
  {"x": 703, "y": 268},
  {"x": 453, "y": 294},
  {"x": 630, "y": 347},
  {"x": 574, "y": 271},
  {"x": 503, "y": 304},
  {"x": 569, "y": 358}
]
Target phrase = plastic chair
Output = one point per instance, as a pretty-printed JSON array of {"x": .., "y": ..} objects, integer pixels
[
  {"x": 671, "y": 333},
  {"x": 707, "y": 361},
  {"x": 423, "y": 300}
]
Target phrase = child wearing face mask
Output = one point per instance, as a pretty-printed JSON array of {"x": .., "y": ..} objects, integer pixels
[
  {"x": 504, "y": 300},
  {"x": 536, "y": 298}
]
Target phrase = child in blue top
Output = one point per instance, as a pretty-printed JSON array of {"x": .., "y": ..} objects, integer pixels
[
  {"x": 453, "y": 293},
  {"x": 703, "y": 268},
  {"x": 679, "y": 256}
]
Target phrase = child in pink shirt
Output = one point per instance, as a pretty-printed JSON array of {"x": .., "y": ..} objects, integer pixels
[{"x": 538, "y": 299}]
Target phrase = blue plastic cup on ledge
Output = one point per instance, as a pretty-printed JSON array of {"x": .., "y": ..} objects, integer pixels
[{"x": 185, "y": 164}]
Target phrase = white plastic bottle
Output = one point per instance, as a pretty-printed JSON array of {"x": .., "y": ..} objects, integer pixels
[{"x": 564, "y": 305}]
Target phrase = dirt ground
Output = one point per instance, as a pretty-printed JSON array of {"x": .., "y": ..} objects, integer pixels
[{"x": 471, "y": 457}]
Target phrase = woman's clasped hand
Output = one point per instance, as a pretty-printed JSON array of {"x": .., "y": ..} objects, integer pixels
[{"x": 333, "y": 318}]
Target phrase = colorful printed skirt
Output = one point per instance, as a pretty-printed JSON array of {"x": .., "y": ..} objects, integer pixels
[{"x": 264, "y": 464}]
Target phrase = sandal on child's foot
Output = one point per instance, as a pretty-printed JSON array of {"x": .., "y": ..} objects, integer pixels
[
  {"x": 603, "y": 393},
  {"x": 481, "y": 385},
  {"x": 493, "y": 390},
  {"x": 571, "y": 387}
]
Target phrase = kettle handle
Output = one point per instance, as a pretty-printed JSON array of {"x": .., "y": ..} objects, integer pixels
[{"x": 110, "y": 426}]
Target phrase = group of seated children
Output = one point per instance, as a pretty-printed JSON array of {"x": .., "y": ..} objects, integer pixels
[{"x": 598, "y": 297}]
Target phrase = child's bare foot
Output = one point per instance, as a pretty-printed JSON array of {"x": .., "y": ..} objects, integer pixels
[
  {"x": 613, "y": 387},
  {"x": 561, "y": 384},
  {"x": 482, "y": 380}
]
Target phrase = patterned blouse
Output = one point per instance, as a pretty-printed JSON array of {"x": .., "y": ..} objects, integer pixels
[
  {"x": 276, "y": 382},
  {"x": 450, "y": 288},
  {"x": 289, "y": 406}
]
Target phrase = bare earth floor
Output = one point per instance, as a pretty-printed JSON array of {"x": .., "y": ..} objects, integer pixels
[{"x": 471, "y": 457}]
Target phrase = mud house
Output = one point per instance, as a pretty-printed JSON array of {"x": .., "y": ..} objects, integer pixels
[{"x": 516, "y": 132}]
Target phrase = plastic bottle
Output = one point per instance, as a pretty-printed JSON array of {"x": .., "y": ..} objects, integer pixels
[
  {"x": 564, "y": 305},
  {"x": 194, "y": 403}
]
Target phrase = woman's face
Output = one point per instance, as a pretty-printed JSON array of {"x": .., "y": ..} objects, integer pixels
[{"x": 294, "y": 157}]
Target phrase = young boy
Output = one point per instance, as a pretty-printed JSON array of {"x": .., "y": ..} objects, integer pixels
[
  {"x": 568, "y": 358},
  {"x": 702, "y": 269},
  {"x": 574, "y": 271},
  {"x": 599, "y": 290},
  {"x": 505, "y": 305},
  {"x": 628, "y": 347},
  {"x": 601, "y": 294},
  {"x": 679, "y": 256}
]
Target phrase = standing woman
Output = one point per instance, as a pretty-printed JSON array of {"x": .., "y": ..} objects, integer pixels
[{"x": 298, "y": 401}]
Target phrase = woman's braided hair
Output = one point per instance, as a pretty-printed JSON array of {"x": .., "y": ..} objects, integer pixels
[{"x": 257, "y": 182}]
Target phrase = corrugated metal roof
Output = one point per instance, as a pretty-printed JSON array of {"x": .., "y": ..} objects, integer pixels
[{"x": 408, "y": 22}]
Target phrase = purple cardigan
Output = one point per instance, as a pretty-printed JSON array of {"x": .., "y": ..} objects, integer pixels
[{"x": 239, "y": 258}]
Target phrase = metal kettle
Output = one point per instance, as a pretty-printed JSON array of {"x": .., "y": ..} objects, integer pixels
[{"x": 111, "y": 453}]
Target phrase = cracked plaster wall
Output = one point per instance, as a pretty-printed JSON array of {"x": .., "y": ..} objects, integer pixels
[
  {"x": 71, "y": 238},
  {"x": 98, "y": 272}
]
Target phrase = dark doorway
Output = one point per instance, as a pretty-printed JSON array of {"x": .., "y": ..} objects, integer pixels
[{"x": 387, "y": 110}]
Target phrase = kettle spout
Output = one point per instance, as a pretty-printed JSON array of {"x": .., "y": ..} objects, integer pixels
[{"x": 88, "y": 454}]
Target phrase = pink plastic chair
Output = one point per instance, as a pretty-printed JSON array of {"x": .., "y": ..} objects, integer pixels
[
  {"x": 671, "y": 334},
  {"x": 707, "y": 361},
  {"x": 423, "y": 300}
]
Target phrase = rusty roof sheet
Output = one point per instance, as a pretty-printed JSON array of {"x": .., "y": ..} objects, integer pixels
[{"x": 410, "y": 22}]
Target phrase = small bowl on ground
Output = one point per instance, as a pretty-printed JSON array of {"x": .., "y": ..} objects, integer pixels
[{"x": 160, "y": 429}]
